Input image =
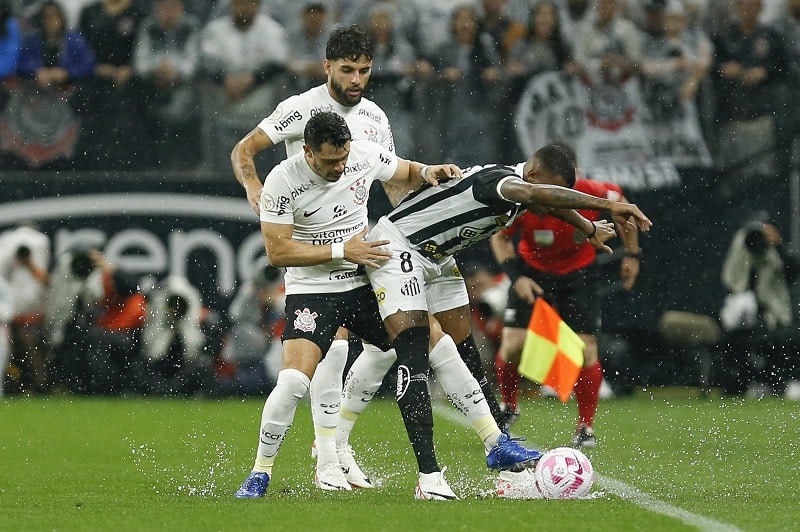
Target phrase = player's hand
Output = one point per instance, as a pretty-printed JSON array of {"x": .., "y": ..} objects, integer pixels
[
  {"x": 527, "y": 289},
  {"x": 359, "y": 251},
  {"x": 438, "y": 173},
  {"x": 632, "y": 214},
  {"x": 603, "y": 232},
  {"x": 629, "y": 271},
  {"x": 253, "y": 190}
]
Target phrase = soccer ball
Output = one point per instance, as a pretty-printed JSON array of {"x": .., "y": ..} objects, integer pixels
[{"x": 563, "y": 473}]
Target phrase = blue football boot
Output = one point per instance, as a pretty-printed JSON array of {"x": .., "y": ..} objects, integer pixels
[
  {"x": 508, "y": 454},
  {"x": 255, "y": 486}
]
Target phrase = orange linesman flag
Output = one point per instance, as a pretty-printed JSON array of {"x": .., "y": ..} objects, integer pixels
[{"x": 553, "y": 353}]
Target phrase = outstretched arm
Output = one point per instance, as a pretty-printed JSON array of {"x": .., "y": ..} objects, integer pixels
[
  {"x": 412, "y": 175},
  {"x": 244, "y": 166}
]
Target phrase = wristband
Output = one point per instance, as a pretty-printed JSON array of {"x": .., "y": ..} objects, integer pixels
[
  {"x": 512, "y": 268},
  {"x": 423, "y": 172},
  {"x": 337, "y": 251},
  {"x": 594, "y": 232}
]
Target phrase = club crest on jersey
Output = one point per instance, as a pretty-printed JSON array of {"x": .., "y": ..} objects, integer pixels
[
  {"x": 371, "y": 133},
  {"x": 360, "y": 191},
  {"x": 305, "y": 320}
]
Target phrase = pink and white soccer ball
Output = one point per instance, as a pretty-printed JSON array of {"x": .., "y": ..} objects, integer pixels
[{"x": 564, "y": 473}]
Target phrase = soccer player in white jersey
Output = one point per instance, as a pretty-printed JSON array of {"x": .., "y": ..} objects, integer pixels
[
  {"x": 313, "y": 218},
  {"x": 348, "y": 65},
  {"x": 430, "y": 226}
]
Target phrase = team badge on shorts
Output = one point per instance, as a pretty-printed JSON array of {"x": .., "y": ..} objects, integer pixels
[{"x": 305, "y": 320}]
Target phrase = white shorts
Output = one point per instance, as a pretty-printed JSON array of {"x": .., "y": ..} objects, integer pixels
[{"x": 409, "y": 281}]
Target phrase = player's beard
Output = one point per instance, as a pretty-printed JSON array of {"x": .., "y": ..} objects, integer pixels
[{"x": 342, "y": 96}]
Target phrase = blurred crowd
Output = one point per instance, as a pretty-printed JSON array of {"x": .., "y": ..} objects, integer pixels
[
  {"x": 173, "y": 84},
  {"x": 83, "y": 326}
]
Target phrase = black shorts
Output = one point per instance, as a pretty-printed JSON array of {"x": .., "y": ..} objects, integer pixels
[
  {"x": 574, "y": 296},
  {"x": 317, "y": 317}
]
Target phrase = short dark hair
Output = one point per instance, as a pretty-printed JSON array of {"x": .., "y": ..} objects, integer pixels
[
  {"x": 558, "y": 160},
  {"x": 326, "y": 127},
  {"x": 350, "y": 42}
]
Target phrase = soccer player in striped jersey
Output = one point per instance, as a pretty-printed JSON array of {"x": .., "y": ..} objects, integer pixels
[{"x": 429, "y": 227}]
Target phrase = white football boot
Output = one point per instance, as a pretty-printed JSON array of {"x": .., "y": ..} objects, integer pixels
[
  {"x": 352, "y": 472},
  {"x": 331, "y": 477},
  {"x": 433, "y": 487}
]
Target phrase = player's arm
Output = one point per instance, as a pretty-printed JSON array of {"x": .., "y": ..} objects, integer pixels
[
  {"x": 629, "y": 234},
  {"x": 561, "y": 201},
  {"x": 283, "y": 251},
  {"x": 412, "y": 174},
  {"x": 244, "y": 166}
]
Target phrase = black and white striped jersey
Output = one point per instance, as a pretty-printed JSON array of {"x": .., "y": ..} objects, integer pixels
[{"x": 441, "y": 221}]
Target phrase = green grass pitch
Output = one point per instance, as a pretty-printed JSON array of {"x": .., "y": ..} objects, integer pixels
[{"x": 663, "y": 463}]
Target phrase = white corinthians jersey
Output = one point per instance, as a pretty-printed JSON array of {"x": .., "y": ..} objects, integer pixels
[
  {"x": 287, "y": 123},
  {"x": 323, "y": 213},
  {"x": 441, "y": 221}
]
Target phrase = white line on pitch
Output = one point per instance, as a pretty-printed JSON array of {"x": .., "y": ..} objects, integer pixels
[{"x": 622, "y": 490}]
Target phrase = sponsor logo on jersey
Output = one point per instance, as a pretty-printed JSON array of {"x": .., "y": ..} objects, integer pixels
[
  {"x": 502, "y": 220},
  {"x": 457, "y": 272},
  {"x": 410, "y": 287},
  {"x": 359, "y": 191},
  {"x": 385, "y": 159},
  {"x": 339, "y": 211},
  {"x": 360, "y": 166},
  {"x": 311, "y": 213},
  {"x": 306, "y": 320},
  {"x": 380, "y": 295},
  {"x": 375, "y": 117},
  {"x": 282, "y": 205},
  {"x": 321, "y": 109},
  {"x": 305, "y": 187},
  {"x": 331, "y": 236},
  {"x": 282, "y": 123},
  {"x": 469, "y": 233},
  {"x": 341, "y": 275}
]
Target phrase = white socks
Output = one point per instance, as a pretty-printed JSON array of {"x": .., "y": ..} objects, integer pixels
[
  {"x": 362, "y": 383},
  {"x": 463, "y": 389},
  {"x": 277, "y": 416},
  {"x": 326, "y": 397}
]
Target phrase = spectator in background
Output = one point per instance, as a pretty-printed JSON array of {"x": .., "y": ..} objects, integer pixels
[
  {"x": 749, "y": 64},
  {"x": 76, "y": 288},
  {"x": 393, "y": 64},
  {"x": 24, "y": 263},
  {"x": 112, "y": 128},
  {"x": 674, "y": 62},
  {"x": 165, "y": 60},
  {"x": 543, "y": 49},
  {"x": 173, "y": 342},
  {"x": 762, "y": 343},
  {"x": 10, "y": 44},
  {"x": 468, "y": 69},
  {"x": 40, "y": 128},
  {"x": 607, "y": 46},
  {"x": 787, "y": 123},
  {"x": 244, "y": 54},
  {"x": 6, "y": 315},
  {"x": 495, "y": 23},
  {"x": 252, "y": 351},
  {"x": 308, "y": 45},
  {"x": 115, "y": 338}
]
